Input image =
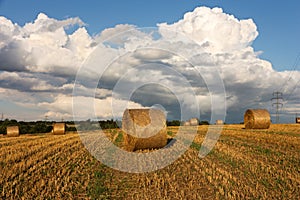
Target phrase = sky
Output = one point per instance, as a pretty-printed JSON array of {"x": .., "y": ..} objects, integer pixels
[{"x": 253, "y": 44}]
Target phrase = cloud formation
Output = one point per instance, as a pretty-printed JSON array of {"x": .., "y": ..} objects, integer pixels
[{"x": 171, "y": 65}]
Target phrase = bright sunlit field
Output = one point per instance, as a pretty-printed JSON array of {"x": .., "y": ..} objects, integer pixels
[{"x": 244, "y": 164}]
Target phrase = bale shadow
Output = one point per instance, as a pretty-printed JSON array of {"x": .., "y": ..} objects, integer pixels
[{"x": 170, "y": 142}]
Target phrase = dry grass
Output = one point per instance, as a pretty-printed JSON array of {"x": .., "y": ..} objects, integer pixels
[{"x": 245, "y": 164}]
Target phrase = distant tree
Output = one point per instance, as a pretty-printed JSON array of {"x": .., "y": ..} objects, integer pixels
[
  {"x": 204, "y": 123},
  {"x": 173, "y": 123},
  {"x": 73, "y": 129}
]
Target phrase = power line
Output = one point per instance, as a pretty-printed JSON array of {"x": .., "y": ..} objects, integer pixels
[
  {"x": 294, "y": 67},
  {"x": 284, "y": 87},
  {"x": 288, "y": 97},
  {"x": 277, "y": 97}
]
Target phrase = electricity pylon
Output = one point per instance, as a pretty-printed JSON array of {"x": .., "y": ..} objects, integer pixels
[{"x": 277, "y": 103}]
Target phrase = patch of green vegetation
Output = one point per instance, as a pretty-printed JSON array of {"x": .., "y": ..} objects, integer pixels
[
  {"x": 284, "y": 133},
  {"x": 119, "y": 138},
  {"x": 229, "y": 160},
  {"x": 195, "y": 146},
  {"x": 280, "y": 182},
  {"x": 262, "y": 150},
  {"x": 170, "y": 133},
  {"x": 97, "y": 188},
  {"x": 2, "y": 164},
  {"x": 223, "y": 158},
  {"x": 107, "y": 183},
  {"x": 265, "y": 182},
  {"x": 72, "y": 166}
]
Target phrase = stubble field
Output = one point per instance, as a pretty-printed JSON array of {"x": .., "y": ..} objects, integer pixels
[{"x": 244, "y": 164}]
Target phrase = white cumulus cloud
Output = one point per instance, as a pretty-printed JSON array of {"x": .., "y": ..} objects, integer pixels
[{"x": 164, "y": 65}]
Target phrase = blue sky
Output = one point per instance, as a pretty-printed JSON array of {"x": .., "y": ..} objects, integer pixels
[
  {"x": 38, "y": 62},
  {"x": 278, "y": 22}
]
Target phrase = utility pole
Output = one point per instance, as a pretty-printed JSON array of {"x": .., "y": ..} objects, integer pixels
[{"x": 277, "y": 103}]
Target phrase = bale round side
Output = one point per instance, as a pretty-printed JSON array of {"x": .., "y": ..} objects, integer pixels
[
  {"x": 59, "y": 129},
  {"x": 257, "y": 119},
  {"x": 187, "y": 123},
  {"x": 194, "y": 122},
  {"x": 219, "y": 122},
  {"x": 144, "y": 129},
  {"x": 12, "y": 131}
]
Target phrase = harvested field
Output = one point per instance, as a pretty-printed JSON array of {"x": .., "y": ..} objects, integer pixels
[{"x": 245, "y": 164}]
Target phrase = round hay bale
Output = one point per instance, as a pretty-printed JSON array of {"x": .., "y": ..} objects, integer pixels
[
  {"x": 219, "y": 122},
  {"x": 59, "y": 129},
  {"x": 187, "y": 123},
  {"x": 257, "y": 119},
  {"x": 194, "y": 122},
  {"x": 144, "y": 129},
  {"x": 12, "y": 131}
]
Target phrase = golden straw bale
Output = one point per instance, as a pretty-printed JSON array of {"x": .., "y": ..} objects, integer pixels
[
  {"x": 257, "y": 119},
  {"x": 12, "y": 131},
  {"x": 59, "y": 129},
  {"x": 219, "y": 122},
  {"x": 194, "y": 122},
  {"x": 144, "y": 129},
  {"x": 187, "y": 123}
]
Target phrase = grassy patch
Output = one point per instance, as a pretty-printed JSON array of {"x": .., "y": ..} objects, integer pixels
[
  {"x": 2, "y": 164},
  {"x": 97, "y": 188},
  {"x": 262, "y": 150},
  {"x": 228, "y": 160},
  {"x": 195, "y": 146},
  {"x": 265, "y": 182},
  {"x": 119, "y": 138},
  {"x": 170, "y": 133}
]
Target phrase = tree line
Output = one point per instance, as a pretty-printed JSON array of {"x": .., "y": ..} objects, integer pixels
[{"x": 47, "y": 126}]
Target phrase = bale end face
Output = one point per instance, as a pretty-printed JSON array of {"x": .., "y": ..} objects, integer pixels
[
  {"x": 144, "y": 129},
  {"x": 257, "y": 119}
]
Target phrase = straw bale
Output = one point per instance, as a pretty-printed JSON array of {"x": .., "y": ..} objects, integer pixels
[
  {"x": 194, "y": 122},
  {"x": 59, "y": 128},
  {"x": 12, "y": 131},
  {"x": 187, "y": 123},
  {"x": 144, "y": 129},
  {"x": 219, "y": 122},
  {"x": 257, "y": 119}
]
